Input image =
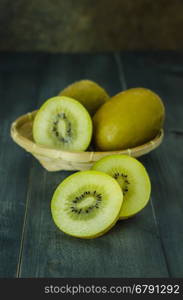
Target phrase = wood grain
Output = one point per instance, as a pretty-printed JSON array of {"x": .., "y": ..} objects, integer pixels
[
  {"x": 163, "y": 73},
  {"x": 18, "y": 89}
]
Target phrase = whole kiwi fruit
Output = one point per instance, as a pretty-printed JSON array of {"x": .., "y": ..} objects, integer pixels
[
  {"x": 88, "y": 93},
  {"x": 128, "y": 119}
]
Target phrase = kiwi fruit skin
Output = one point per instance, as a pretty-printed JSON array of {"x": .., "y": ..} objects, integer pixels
[
  {"x": 130, "y": 167},
  {"x": 97, "y": 174},
  {"x": 131, "y": 118},
  {"x": 88, "y": 93},
  {"x": 72, "y": 105}
]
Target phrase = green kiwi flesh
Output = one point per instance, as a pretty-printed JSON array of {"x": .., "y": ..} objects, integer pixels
[
  {"x": 86, "y": 204},
  {"x": 63, "y": 123},
  {"x": 132, "y": 178}
]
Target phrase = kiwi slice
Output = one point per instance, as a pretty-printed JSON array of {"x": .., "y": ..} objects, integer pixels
[
  {"x": 63, "y": 123},
  {"x": 88, "y": 92},
  {"x": 87, "y": 204},
  {"x": 132, "y": 178}
]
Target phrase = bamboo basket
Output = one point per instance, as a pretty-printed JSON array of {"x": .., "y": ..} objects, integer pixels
[{"x": 55, "y": 160}]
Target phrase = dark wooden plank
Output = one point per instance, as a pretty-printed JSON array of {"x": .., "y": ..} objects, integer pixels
[
  {"x": 18, "y": 87},
  {"x": 165, "y": 163},
  {"x": 66, "y": 69},
  {"x": 131, "y": 249},
  {"x": 162, "y": 60}
]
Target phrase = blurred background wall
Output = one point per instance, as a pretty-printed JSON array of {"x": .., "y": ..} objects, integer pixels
[{"x": 90, "y": 25}]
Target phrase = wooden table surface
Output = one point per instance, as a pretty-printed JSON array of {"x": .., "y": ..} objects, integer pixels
[{"x": 147, "y": 245}]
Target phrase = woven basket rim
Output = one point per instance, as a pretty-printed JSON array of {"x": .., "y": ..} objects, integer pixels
[{"x": 86, "y": 156}]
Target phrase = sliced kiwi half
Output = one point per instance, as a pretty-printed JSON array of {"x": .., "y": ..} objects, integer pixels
[
  {"x": 64, "y": 123},
  {"x": 132, "y": 178},
  {"x": 86, "y": 204}
]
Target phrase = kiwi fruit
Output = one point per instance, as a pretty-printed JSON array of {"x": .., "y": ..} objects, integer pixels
[
  {"x": 63, "y": 123},
  {"x": 132, "y": 178},
  {"x": 88, "y": 93},
  {"x": 86, "y": 204},
  {"x": 131, "y": 118}
]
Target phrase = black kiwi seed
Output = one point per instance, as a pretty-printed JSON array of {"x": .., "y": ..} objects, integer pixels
[
  {"x": 97, "y": 200},
  {"x": 124, "y": 176},
  {"x": 62, "y": 116}
]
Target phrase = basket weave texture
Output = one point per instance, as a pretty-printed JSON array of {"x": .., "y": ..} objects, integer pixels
[{"x": 55, "y": 160}]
